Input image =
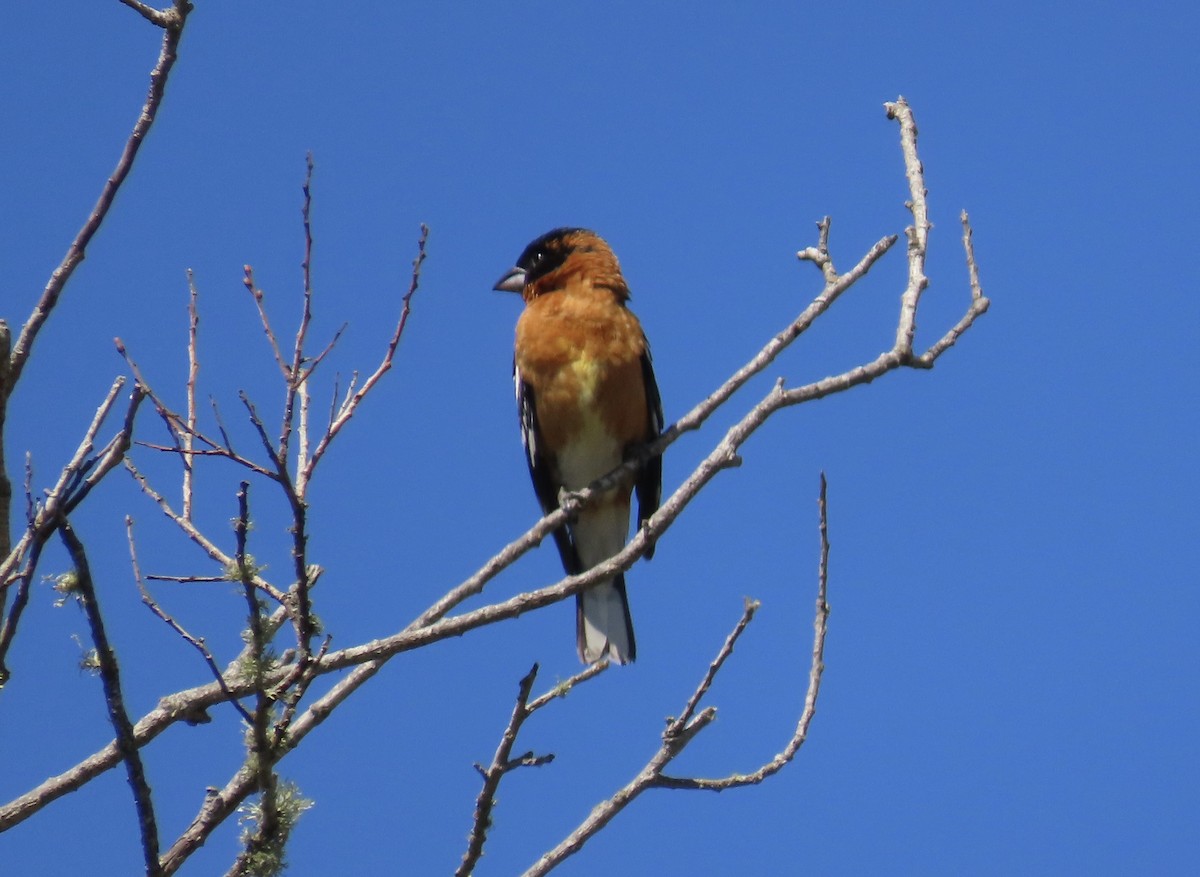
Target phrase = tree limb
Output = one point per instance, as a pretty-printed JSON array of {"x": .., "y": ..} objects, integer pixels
[
  {"x": 110, "y": 677},
  {"x": 683, "y": 730},
  {"x": 503, "y": 762}
]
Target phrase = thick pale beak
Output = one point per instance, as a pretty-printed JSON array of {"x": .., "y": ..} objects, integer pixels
[{"x": 513, "y": 281}]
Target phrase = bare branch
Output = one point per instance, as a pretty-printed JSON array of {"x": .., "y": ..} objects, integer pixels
[
  {"x": 192, "y": 532},
  {"x": 172, "y": 21},
  {"x": 679, "y": 726},
  {"x": 260, "y": 754},
  {"x": 84, "y": 471},
  {"x": 501, "y": 764},
  {"x": 257, "y": 295},
  {"x": 918, "y": 232},
  {"x": 178, "y": 427},
  {"x": 188, "y": 437},
  {"x": 164, "y": 18},
  {"x": 682, "y": 731},
  {"x": 6, "y": 494},
  {"x": 23, "y": 578},
  {"x": 820, "y": 625},
  {"x": 819, "y": 255},
  {"x": 565, "y": 687},
  {"x": 979, "y": 304},
  {"x": 110, "y": 677},
  {"x": 302, "y": 676},
  {"x": 352, "y": 402},
  {"x": 225, "y": 442},
  {"x": 218, "y": 806},
  {"x": 197, "y": 642},
  {"x": 294, "y": 374},
  {"x": 306, "y": 267},
  {"x": 280, "y": 472}
]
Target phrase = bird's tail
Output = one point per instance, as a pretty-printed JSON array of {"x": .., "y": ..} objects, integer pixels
[{"x": 603, "y": 625}]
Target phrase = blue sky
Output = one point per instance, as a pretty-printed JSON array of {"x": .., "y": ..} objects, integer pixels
[{"x": 1013, "y": 667}]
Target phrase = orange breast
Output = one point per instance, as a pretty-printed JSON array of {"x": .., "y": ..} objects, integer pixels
[{"x": 581, "y": 353}]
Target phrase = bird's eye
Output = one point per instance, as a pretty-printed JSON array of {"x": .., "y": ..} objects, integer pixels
[{"x": 540, "y": 259}]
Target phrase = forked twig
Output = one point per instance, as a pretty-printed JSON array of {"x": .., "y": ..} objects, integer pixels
[
  {"x": 503, "y": 762},
  {"x": 682, "y": 731},
  {"x": 350, "y": 405}
]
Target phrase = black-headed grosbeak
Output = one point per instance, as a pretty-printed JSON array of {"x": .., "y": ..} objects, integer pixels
[{"x": 587, "y": 398}]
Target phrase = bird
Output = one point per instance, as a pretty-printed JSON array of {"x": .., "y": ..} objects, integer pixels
[{"x": 588, "y": 401}]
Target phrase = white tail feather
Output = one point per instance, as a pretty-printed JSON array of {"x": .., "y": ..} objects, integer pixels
[{"x": 605, "y": 625}]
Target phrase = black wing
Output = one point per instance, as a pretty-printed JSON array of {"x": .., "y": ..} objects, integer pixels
[
  {"x": 649, "y": 483},
  {"x": 541, "y": 470}
]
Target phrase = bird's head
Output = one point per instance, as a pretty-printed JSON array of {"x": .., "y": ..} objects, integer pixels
[{"x": 559, "y": 255}]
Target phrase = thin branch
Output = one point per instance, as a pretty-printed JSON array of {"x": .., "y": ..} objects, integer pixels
[
  {"x": 303, "y": 675},
  {"x": 187, "y": 580},
  {"x": 816, "y": 668},
  {"x": 192, "y": 532},
  {"x": 501, "y": 764},
  {"x": 678, "y": 726},
  {"x": 178, "y": 426},
  {"x": 257, "y": 295},
  {"x": 280, "y": 471},
  {"x": 78, "y": 478},
  {"x": 304, "y": 475},
  {"x": 6, "y": 494},
  {"x": 197, "y": 642},
  {"x": 300, "y": 590},
  {"x": 979, "y": 303},
  {"x": 24, "y": 579},
  {"x": 315, "y": 361},
  {"x": 110, "y": 677},
  {"x": 216, "y": 409},
  {"x": 918, "y": 232},
  {"x": 188, "y": 438},
  {"x": 172, "y": 21},
  {"x": 44, "y": 517},
  {"x": 295, "y": 375},
  {"x": 306, "y": 267},
  {"x": 562, "y": 689},
  {"x": 682, "y": 731},
  {"x": 161, "y": 17},
  {"x": 303, "y": 614},
  {"x": 819, "y": 255}
]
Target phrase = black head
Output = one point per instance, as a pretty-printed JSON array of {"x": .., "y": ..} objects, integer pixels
[{"x": 543, "y": 255}]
